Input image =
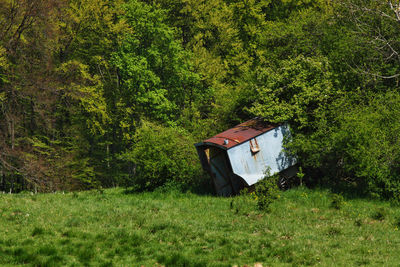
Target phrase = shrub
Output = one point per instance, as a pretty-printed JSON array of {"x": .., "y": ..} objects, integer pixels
[
  {"x": 355, "y": 142},
  {"x": 266, "y": 191},
  {"x": 162, "y": 155},
  {"x": 300, "y": 175},
  {"x": 337, "y": 201}
]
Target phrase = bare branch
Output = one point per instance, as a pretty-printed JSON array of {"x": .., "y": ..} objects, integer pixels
[
  {"x": 396, "y": 9},
  {"x": 359, "y": 70},
  {"x": 383, "y": 14}
]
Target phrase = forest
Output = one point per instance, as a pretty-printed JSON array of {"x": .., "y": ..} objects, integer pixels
[{"x": 104, "y": 93}]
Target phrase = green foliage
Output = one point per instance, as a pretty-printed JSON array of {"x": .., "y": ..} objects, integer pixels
[
  {"x": 55, "y": 166},
  {"x": 152, "y": 66},
  {"x": 296, "y": 91},
  {"x": 83, "y": 92},
  {"x": 397, "y": 222},
  {"x": 357, "y": 144},
  {"x": 370, "y": 41},
  {"x": 161, "y": 155},
  {"x": 266, "y": 191},
  {"x": 282, "y": 9},
  {"x": 78, "y": 76},
  {"x": 337, "y": 201},
  {"x": 300, "y": 175},
  {"x": 3, "y": 67}
]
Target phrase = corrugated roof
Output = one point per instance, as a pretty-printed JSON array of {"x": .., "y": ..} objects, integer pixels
[{"x": 239, "y": 134}]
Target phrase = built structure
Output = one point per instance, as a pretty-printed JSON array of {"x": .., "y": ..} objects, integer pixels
[{"x": 241, "y": 156}]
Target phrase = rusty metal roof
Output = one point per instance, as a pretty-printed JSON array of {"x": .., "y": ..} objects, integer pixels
[{"x": 239, "y": 134}]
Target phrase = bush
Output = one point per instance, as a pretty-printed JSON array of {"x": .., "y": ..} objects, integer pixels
[
  {"x": 266, "y": 191},
  {"x": 356, "y": 142},
  {"x": 162, "y": 155},
  {"x": 337, "y": 201}
]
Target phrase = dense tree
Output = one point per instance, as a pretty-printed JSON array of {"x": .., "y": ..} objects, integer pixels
[
  {"x": 88, "y": 87},
  {"x": 27, "y": 34}
]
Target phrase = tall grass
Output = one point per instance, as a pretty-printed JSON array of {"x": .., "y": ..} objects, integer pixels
[{"x": 112, "y": 228}]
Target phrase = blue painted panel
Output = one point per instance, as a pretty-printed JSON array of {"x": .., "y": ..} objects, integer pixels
[{"x": 252, "y": 166}]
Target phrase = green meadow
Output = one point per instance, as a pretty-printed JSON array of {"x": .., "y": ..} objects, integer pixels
[{"x": 114, "y": 228}]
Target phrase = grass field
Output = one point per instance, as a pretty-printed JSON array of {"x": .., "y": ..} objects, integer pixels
[{"x": 112, "y": 228}]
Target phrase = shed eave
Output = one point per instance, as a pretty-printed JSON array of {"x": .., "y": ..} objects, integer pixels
[{"x": 211, "y": 144}]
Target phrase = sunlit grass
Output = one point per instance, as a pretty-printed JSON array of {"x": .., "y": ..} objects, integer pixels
[{"x": 172, "y": 229}]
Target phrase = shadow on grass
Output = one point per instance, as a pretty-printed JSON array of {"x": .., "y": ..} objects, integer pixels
[
  {"x": 203, "y": 187},
  {"x": 349, "y": 189}
]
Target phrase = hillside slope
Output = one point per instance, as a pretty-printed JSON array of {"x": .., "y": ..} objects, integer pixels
[{"x": 109, "y": 228}]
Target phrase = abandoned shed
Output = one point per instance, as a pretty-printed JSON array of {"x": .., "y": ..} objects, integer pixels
[{"x": 240, "y": 156}]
